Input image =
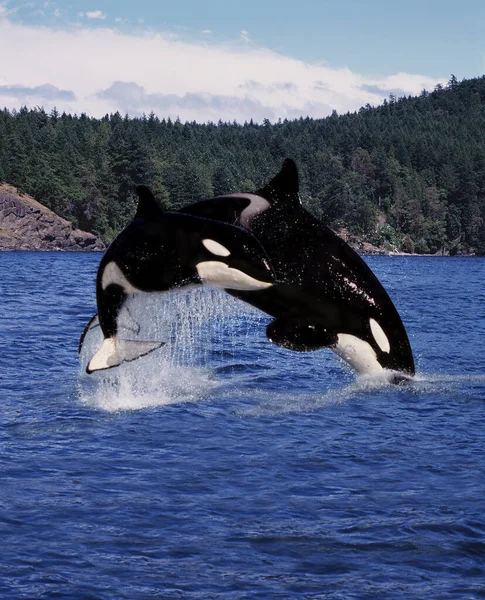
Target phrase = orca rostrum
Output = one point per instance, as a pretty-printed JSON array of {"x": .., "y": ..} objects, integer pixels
[
  {"x": 326, "y": 296},
  {"x": 160, "y": 251}
]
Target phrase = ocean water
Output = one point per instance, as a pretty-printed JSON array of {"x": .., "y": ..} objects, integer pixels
[{"x": 223, "y": 467}]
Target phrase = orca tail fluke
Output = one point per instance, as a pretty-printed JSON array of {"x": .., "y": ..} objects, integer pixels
[{"x": 114, "y": 351}]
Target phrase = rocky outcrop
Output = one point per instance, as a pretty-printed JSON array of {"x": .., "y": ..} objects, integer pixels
[
  {"x": 25, "y": 224},
  {"x": 359, "y": 245}
]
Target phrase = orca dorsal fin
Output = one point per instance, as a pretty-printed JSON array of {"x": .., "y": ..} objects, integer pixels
[
  {"x": 284, "y": 188},
  {"x": 148, "y": 206}
]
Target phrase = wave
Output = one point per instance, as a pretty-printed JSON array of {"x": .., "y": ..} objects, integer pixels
[
  {"x": 151, "y": 382},
  {"x": 361, "y": 388},
  {"x": 215, "y": 350}
]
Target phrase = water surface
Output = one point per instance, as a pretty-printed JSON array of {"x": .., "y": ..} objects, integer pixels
[{"x": 224, "y": 467}]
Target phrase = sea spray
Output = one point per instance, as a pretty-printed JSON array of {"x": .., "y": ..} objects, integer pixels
[
  {"x": 203, "y": 330},
  {"x": 199, "y": 327}
]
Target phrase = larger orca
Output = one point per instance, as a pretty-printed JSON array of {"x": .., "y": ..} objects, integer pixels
[
  {"x": 326, "y": 295},
  {"x": 159, "y": 251}
]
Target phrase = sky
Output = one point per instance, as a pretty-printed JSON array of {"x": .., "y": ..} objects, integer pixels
[{"x": 206, "y": 60}]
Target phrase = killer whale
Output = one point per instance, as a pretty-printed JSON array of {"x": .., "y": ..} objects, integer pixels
[
  {"x": 326, "y": 296},
  {"x": 320, "y": 293},
  {"x": 159, "y": 251}
]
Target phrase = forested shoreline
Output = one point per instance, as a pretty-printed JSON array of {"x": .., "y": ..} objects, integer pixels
[{"x": 408, "y": 175}]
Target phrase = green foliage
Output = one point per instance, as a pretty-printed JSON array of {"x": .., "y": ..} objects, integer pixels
[{"x": 409, "y": 174}]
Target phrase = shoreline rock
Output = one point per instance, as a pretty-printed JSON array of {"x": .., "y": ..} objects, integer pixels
[
  {"x": 359, "y": 245},
  {"x": 26, "y": 224},
  {"x": 366, "y": 249}
]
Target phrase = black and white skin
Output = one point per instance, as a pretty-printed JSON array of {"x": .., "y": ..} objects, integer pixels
[
  {"x": 161, "y": 251},
  {"x": 267, "y": 250},
  {"x": 326, "y": 296}
]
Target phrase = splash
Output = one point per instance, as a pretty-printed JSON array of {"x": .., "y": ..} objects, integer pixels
[
  {"x": 467, "y": 385},
  {"x": 215, "y": 349},
  {"x": 158, "y": 384},
  {"x": 195, "y": 325}
]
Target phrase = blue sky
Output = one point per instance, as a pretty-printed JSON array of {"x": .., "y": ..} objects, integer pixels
[{"x": 212, "y": 59}]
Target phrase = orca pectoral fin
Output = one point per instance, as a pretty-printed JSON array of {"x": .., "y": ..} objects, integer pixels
[
  {"x": 299, "y": 334},
  {"x": 91, "y": 324},
  {"x": 115, "y": 351}
]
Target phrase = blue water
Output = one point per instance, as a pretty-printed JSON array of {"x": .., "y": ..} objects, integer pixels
[{"x": 223, "y": 467}]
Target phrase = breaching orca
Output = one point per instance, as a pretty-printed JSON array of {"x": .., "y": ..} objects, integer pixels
[
  {"x": 159, "y": 251},
  {"x": 326, "y": 295}
]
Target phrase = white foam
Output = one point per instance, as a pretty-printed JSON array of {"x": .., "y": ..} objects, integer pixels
[
  {"x": 205, "y": 330},
  {"x": 187, "y": 321},
  {"x": 134, "y": 387},
  {"x": 275, "y": 403}
]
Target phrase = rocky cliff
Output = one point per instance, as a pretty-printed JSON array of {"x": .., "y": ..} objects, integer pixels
[
  {"x": 358, "y": 244},
  {"x": 25, "y": 224}
]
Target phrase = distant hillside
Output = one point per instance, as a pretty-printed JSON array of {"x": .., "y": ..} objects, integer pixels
[
  {"x": 28, "y": 225},
  {"x": 407, "y": 175}
]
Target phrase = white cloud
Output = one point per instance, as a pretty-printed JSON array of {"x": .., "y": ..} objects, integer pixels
[
  {"x": 4, "y": 11},
  {"x": 207, "y": 31},
  {"x": 245, "y": 35},
  {"x": 93, "y": 14},
  {"x": 102, "y": 70},
  {"x": 39, "y": 92}
]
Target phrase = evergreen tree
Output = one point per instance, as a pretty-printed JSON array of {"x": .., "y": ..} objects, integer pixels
[{"x": 410, "y": 173}]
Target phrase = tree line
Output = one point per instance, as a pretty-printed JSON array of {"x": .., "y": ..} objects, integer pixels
[{"x": 409, "y": 174}]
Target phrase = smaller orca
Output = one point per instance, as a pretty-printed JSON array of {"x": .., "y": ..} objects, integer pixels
[
  {"x": 326, "y": 296},
  {"x": 159, "y": 251}
]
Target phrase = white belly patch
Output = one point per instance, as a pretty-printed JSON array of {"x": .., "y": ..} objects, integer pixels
[
  {"x": 357, "y": 353},
  {"x": 113, "y": 274}
]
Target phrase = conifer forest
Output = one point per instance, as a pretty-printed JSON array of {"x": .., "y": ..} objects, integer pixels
[{"x": 407, "y": 175}]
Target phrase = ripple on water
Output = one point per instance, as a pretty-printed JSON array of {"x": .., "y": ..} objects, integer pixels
[{"x": 221, "y": 466}]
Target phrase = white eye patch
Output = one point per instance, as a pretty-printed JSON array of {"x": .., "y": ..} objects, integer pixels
[
  {"x": 221, "y": 275},
  {"x": 379, "y": 336},
  {"x": 215, "y": 248}
]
